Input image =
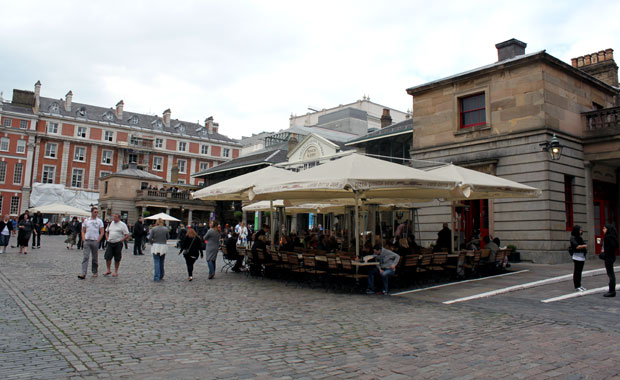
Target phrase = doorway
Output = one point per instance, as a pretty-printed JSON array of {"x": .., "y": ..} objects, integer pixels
[{"x": 605, "y": 210}]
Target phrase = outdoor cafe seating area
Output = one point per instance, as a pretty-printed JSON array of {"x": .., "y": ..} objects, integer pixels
[{"x": 343, "y": 270}]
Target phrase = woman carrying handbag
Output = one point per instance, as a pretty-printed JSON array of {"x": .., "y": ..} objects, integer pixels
[
  {"x": 191, "y": 248},
  {"x": 610, "y": 244}
]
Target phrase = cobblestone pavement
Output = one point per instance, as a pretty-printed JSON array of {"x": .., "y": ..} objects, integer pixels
[{"x": 234, "y": 327}]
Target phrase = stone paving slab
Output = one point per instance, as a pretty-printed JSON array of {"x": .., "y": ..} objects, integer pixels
[{"x": 238, "y": 327}]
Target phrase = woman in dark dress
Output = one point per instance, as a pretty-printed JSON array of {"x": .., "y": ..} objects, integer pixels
[
  {"x": 610, "y": 244},
  {"x": 191, "y": 247},
  {"x": 25, "y": 231}
]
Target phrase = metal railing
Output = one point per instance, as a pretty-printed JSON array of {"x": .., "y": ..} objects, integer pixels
[{"x": 602, "y": 119}]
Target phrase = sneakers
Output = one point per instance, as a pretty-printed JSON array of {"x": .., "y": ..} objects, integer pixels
[
  {"x": 609, "y": 294},
  {"x": 384, "y": 293},
  {"x": 368, "y": 291},
  {"x": 580, "y": 289},
  {"x": 190, "y": 278}
]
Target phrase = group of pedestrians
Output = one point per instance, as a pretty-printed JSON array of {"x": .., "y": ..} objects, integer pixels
[{"x": 25, "y": 227}]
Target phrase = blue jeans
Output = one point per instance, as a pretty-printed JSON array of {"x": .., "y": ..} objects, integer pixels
[
  {"x": 211, "y": 265},
  {"x": 158, "y": 261},
  {"x": 385, "y": 275}
]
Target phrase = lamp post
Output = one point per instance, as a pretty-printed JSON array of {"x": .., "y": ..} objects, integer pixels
[{"x": 553, "y": 147}]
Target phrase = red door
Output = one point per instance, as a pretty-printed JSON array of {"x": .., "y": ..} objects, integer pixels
[
  {"x": 474, "y": 219},
  {"x": 604, "y": 210}
]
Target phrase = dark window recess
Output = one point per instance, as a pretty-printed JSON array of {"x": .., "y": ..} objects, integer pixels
[
  {"x": 568, "y": 200},
  {"x": 473, "y": 112}
]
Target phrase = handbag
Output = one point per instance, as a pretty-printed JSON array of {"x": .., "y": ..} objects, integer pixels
[
  {"x": 602, "y": 255},
  {"x": 185, "y": 252}
]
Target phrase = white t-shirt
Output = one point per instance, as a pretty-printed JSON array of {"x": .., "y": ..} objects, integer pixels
[
  {"x": 6, "y": 231},
  {"x": 116, "y": 231},
  {"x": 92, "y": 228}
]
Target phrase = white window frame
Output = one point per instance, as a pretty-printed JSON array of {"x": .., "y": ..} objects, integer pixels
[
  {"x": 159, "y": 142},
  {"x": 3, "y": 166},
  {"x": 18, "y": 169},
  {"x": 14, "y": 205},
  {"x": 104, "y": 172},
  {"x": 51, "y": 153},
  {"x": 109, "y": 160},
  {"x": 80, "y": 135},
  {"x": 182, "y": 144},
  {"x": 21, "y": 146},
  {"x": 204, "y": 166},
  {"x": 23, "y": 124},
  {"x": 225, "y": 152},
  {"x": 5, "y": 144},
  {"x": 184, "y": 171},
  {"x": 108, "y": 136},
  {"x": 49, "y": 129},
  {"x": 181, "y": 181},
  {"x": 204, "y": 149},
  {"x": 76, "y": 158},
  {"x": 161, "y": 163},
  {"x": 74, "y": 181},
  {"x": 7, "y": 122},
  {"x": 45, "y": 172}
]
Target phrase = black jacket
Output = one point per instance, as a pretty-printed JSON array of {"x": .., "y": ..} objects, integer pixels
[
  {"x": 193, "y": 245},
  {"x": 610, "y": 244},
  {"x": 8, "y": 224},
  {"x": 138, "y": 230},
  {"x": 37, "y": 220}
]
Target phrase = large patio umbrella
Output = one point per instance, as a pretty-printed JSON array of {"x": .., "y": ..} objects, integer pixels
[
  {"x": 162, "y": 216},
  {"x": 358, "y": 177},
  {"x": 60, "y": 209}
]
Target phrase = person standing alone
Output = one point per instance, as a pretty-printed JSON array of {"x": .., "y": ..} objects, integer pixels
[
  {"x": 116, "y": 233},
  {"x": 138, "y": 235},
  {"x": 213, "y": 245},
  {"x": 579, "y": 249},
  {"x": 159, "y": 238},
  {"x": 610, "y": 244},
  {"x": 37, "y": 221},
  {"x": 6, "y": 228},
  {"x": 92, "y": 233}
]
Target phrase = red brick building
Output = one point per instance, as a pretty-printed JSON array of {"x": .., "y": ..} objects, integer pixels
[{"x": 58, "y": 141}]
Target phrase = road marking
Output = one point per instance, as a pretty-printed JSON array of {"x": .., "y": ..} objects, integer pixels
[
  {"x": 528, "y": 285},
  {"x": 458, "y": 283},
  {"x": 579, "y": 294}
]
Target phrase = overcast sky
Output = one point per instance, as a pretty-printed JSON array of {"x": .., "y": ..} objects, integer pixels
[{"x": 250, "y": 64}]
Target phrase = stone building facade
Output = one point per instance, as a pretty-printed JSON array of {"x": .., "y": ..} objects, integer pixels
[{"x": 494, "y": 119}]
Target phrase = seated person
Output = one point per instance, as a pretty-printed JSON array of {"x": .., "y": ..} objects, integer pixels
[
  {"x": 444, "y": 238},
  {"x": 488, "y": 244},
  {"x": 231, "y": 252},
  {"x": 386, "y": 268}
]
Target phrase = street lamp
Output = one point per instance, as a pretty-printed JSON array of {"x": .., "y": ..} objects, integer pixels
[{"x": 553, "y": 147}]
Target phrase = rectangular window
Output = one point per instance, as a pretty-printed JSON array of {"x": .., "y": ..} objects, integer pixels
[
  {"x": 23, "y": 124},
  {"x": 132, "y": 158},
  {"x": 51, "y": 150},
  {"x": 569, "y": 181},
  {"x": 52, "y": 128},
  {"x": 21, "y": 146},
  {"x": 225, "y": 152},
  {"x": 182, "y": 146},
  {"x": 2, "y": 171},
  {"x": 81, "y": 132},
  {"x": 7, "y": 122},
  {"x": 159, "y": 143},
  {"x": 204, "y": 149},
  {"x": 182, "y": 166},
  {"x": 80, "y": 154},
  {"x": 4, "y": 144},
  {"x": 17, "y": 173},
  {"x": 1, "y": 200},
  {"x": 182, "y": 181},
  {"x": 14, "y": 205},
  {"x": 158, "y": 163},
  {"x": 77, "y": 178},
  {"x": 204, "y": 166},
  {"x": 104, "y": 173},
  {"x": 473, "y": 111},
  {"x": 108, "y": 136},
  {"x": 49, "y": 174},
  {"x": 106, "y": 157},
  {"x": 105, "y": 187}
]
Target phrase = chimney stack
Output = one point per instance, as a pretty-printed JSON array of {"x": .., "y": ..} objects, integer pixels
[
  {"x": 119, "y": 109},
  {"x": 209, "y": 124},
  {"x": 37, "y": 97},
  {"x": 167, "y": 118},
  {"x": 600, "y": 65},
  {"x": 510, "y": 49},
  {"x": 68, "y": 100},
  {"x": 292, "y": 142},
  {"x": 386, "y": 119}
]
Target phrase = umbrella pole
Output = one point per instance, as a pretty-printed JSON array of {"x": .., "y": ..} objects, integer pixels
[
  {"x": 452, "y": 226},
  {"x": 271, "y": 226},
  {"x": 357, "y": 225}
]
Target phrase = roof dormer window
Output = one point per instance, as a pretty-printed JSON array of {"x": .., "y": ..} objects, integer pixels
[
  {"x": 81, "y": 112},
  {"x": 108, "y": 116},
  {"x": 134, "y": 120},
  {"x": 53, "y": 108},
  {"x": 158, "y": 124}
]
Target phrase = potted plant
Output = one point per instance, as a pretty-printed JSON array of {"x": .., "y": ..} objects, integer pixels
[{"x": 515, "y": 256}]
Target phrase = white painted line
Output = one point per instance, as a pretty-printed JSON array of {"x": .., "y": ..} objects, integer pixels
[
  {"x": 458, "y": 283},
  {"x": 528, "y": 285},
  {"x": 579, "y": 294}
]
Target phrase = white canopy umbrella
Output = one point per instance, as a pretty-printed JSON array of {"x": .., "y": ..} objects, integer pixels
[
  {"x": 163, "y": 216},
  {"x": 60, "y": 209},
  {"x": 238, "y": 188},
  {"x": 359, "y": 177}
]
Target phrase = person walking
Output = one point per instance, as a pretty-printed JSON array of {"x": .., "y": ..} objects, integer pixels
[
  {"x": 92, "y": 233},
  {"x": 116, "y": 234},
  {"x": 26, "y": 229},
  {"x": 159, "y": 238},
  {"x": 74, "y": 229},
  {"x": 37, "y": 221},
  {"x": 213, "y": 245},
  {"x": 138, "y": 235},
  {"x": 191, "y": 248},
  {"x": 578, "y": 249},
  {"x": 80, "y": 242},
  {"x": 6, "y": 229},
  {"x": 610, "y": 244}
]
